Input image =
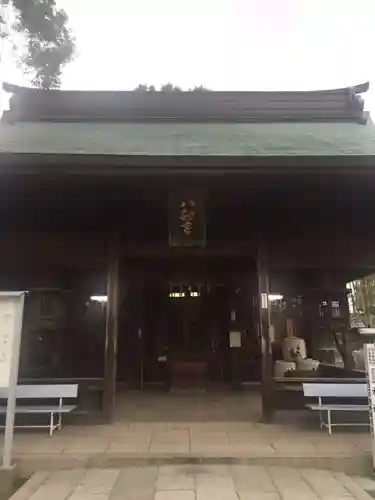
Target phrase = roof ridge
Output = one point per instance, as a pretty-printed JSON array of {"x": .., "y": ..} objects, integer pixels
[
  {"x": 131, "y": 106},
  {"x": 357, "y": 89}
]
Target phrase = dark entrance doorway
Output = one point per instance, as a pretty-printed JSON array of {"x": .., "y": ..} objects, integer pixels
[
  {"x": 175, "y": 318},
  {"x": 198, "y": 346}
]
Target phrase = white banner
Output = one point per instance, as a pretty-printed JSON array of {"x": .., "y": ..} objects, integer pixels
[{"x": 370, "y": 373}]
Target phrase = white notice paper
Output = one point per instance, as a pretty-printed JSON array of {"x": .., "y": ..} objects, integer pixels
[{"x": 235, "y": 339}]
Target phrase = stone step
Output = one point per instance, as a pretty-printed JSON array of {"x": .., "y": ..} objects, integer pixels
[{"x": 359, "y": 464}]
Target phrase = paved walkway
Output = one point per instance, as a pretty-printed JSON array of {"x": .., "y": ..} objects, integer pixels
[
  {"x": 114, "y": 445},
  {"x": 194, "y": 483},
  {"x": 151, "y": 429}
]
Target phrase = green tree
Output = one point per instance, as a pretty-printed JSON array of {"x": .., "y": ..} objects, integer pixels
[
  {"x": 49, "y": 41},
  {"x": 168, "y": 87},
  {"x": 363, "y": 298},
  {"x": 199, "y": 88},
  {"x": 145, "y": 88}
]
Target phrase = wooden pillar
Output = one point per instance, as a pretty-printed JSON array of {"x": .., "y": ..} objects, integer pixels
[
  {"x": 264, "y": 325},
  {"x": 112, "y": 324}
]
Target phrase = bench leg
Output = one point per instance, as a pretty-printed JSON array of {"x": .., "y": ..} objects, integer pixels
[
  {"x": 51, "y": 425},
  {"x": 321, "y": 419},
  {"x": 329, "y": 422},
  {"x": 59, "y": 424}
]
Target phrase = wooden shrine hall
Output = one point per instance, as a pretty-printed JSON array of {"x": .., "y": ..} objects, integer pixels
[{"x": 175, "y": 239}]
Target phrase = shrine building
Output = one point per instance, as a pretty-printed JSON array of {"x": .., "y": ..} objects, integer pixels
[{"x": 174, "y": 239}]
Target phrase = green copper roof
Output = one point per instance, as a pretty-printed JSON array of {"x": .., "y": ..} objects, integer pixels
[{"x": 276, "y": 139}]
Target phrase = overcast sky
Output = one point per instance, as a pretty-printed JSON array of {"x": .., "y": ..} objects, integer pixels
[{"x": 222, "y": 44}]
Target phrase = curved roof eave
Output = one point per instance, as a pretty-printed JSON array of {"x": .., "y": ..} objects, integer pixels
[{"x": 17, "y": 89}]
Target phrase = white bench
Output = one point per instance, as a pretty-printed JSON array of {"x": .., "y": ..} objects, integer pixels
[
  {"x": 55, "y": 393},
  {"x": 339, "y": 391}
]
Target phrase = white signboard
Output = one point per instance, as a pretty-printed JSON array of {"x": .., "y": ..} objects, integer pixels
[
  {"x": 11, "y": 315},
  {"x": 8, "y": 313},
  {"x": 370, "y": 372}
]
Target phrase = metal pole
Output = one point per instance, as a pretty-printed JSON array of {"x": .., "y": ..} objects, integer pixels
[{"x": 13, "y": 379}]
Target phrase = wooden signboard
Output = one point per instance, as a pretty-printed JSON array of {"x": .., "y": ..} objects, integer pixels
[{"x": 187, "y": 219}]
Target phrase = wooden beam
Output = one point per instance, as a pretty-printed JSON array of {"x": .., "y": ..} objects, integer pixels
[
  {"x": 264, "y": 326},
  {"x": 112, "y": 325}
]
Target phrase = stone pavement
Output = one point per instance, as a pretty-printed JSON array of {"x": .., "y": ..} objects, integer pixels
[
  {"x": 194, "y": 482},
  {"x": 182, "y": 428},
  {"x": 169, "y": 442}
]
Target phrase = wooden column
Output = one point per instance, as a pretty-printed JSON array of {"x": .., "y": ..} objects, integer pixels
[
  {"x": 112, "y": 324},
  {"x": 264, "y": 325}
]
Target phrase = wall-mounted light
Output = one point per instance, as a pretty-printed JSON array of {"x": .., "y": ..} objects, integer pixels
[
  {"x": 99, "y": 298},
  {"x": 274, "y": 297}
]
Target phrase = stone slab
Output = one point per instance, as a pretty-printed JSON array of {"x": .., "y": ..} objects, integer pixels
[
  {"x": 175, "y": 495},
  {"x": 194, "y": 482},
  {"x": 31, "y": 486}
]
